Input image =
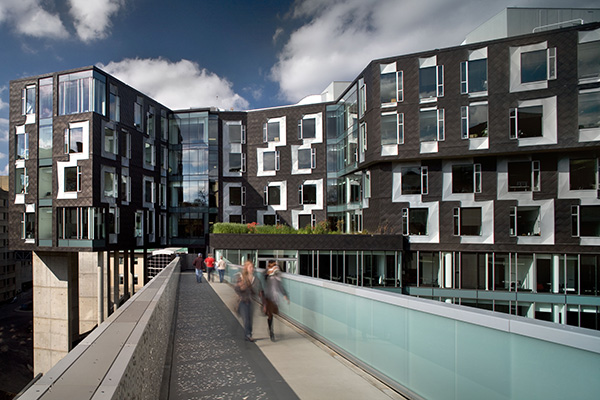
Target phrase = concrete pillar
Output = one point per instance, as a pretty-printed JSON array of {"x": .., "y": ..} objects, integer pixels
[
  {"x": 114, "y": 256},
  {"x": 55, "y": 307},
  {"x": 89, "y": 290},
  {"x": 126, "y": 277}
]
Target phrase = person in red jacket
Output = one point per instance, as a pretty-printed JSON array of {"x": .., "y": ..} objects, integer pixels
[{"x": 210, "y": 266}]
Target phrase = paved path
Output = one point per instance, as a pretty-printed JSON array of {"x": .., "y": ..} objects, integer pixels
[{"x": 211, "y": 360}]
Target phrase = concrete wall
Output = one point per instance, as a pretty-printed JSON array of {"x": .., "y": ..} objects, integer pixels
[{"x": 124, "y": 357}]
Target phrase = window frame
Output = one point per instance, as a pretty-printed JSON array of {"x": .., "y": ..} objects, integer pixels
[
  {"x": 514, "y": 223},
  {"x": 465, "y": 115},
  {"x": 424, "y": 179},
  {"x": 406, "y": 221},
  {"x": 78, "y": 182},
  {"x": 458, "y": 219},
  {"x": 242, "y": 196},
  {"x": 440, "y": 124},
  {"x": 302, "y": 192},
  {"x": 28, "y": 100}
]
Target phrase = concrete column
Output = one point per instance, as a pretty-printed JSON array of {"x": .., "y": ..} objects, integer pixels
[
  {"x": 114, "y": 256},
  {"x": 88, "y": 290},
  {"x": 55, "y": 307},
  {"x": 126, "y": 277},
  {"x": 109, "y": 289}
]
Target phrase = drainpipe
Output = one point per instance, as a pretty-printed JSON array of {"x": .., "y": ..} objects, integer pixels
[{"x": 100, "y": 287}]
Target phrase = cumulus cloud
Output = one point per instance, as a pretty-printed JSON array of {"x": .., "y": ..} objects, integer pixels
[
  {"x": 340, "y": 37},
  {"x": 3, "y": 146},
  {"x": 92, "y": 18},
  {"x": 177, "y": 85},
  {"x": 29, "y": 18},
  {"x": 3, "y": 104}
]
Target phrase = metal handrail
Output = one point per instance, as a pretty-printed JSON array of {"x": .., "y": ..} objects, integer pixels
[{"x": 559, "y": 23}]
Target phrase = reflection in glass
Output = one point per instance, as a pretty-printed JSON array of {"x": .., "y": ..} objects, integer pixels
[
  {"x": 428, "y": 125},
  {"x": 589, "y": 110},
  {"x": 534, "y": 66},
  {"x": 389, "y": 129},
  {"x": 411, "y": 180},
  {"x": 387, "y": 87},
  {"x": 588, "y": 55}
]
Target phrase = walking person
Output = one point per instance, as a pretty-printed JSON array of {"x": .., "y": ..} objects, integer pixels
[
  {"x": 210, "y": 267},
  {"x": 221, "y": 266},
  {"x": 246, "y": 287},
  {"x": 198, "y": 265},
  {"x": 274, "y": 291}
]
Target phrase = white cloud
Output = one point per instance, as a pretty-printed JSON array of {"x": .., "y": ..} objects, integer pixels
[
  {"x": 341, "y": 37},
  {"x": 4, "y": 146},
  {"x": 3, "y": 104},
  {"x": 92, "y": 18},
  {"x": 27, "y": 17},
  {"x": 177, "y": 85}
]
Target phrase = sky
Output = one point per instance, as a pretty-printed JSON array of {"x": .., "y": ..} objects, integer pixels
[{"x": 240, "y": 54}]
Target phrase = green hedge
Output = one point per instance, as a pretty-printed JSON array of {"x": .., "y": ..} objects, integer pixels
[{"x": 227, "y": 227}]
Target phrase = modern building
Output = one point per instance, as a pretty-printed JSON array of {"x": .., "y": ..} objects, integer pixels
[{"x": 483, "y": 159}]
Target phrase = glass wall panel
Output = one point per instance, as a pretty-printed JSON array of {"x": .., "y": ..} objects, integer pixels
[
  {"x": 45, "y": 223},
  {"x": 525, "y": 276},
  {"x": 45, "y": 182},
  {"x": 429, "y": 268}
]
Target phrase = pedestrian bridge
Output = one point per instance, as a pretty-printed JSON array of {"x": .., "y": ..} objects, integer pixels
[{"x": 177, "y": 339}]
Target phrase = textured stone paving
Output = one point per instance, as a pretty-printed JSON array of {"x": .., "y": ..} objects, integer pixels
[{"x": 211, "y": 359}]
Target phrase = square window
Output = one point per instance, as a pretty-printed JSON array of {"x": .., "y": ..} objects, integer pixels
[
  {"x": 589, "y": 221},
  {"x": 474, "y": 76},
  {"x": 588, "y": 54},
  {"x": 307, "y": 128},
  {"x": 270, "y": 161},
  {"x": 305, "y": 221},
  {"x": 589, "y": 110},
  {"x": 308, "y": 194},
  {"x": 270, "y": 219},
  {"x": 414, "y": 221},
  {"x": 525, "y": 221},
  {"x": 523, "y": 176},
  {"x": 273, "y": 196},
  {"x": 235, "y": 162},
  {"x": 235, "y": 133},
  {"x": 474, "y": 121},
  {"x": 534, "y": 66},
  {"x": 235, "y": 196},
  {"x": 466, "y": 178},
  {"x": 527, "y": 122},
  {"x": 431, "y": 125},
  {"x": 583, "y": 174},
  {"x": 272, "y": 131},
  {"x": 305, "y": 158},
  {"x": 467, "y": 221},
  {"x": 235, "y": 219},
  {"x": 389, "y": 129}
]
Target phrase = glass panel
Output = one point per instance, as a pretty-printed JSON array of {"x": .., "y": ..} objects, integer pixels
[
  {"x": 76, "y": 140},
  {"x": 544, "y": 274},
  {"x": 71, "y": 179},
  {"x": 589, "y": 221},
  {"x": 427, "y": 82},
  {"x": 588, "y": 55},
  {"x": 530, "y": 121},
  {"x": 46, "y": 98},
  {"x": 45, "y": 183},
  {"x": 582, "y": 174},
  {"x": 309, "y": 128},
  {"x": 429, "y": 268},
  {"x": 45, "y": 141},
  {"x": 304, "y": 220},
  {"x": 519, "y": 176},
  {"x": 387, "y": 85},
  {"x": 462, "y": 179},
  {"x": 235, "y": 133},
  {"x": 45, "y": 223},
  {"x": 470, "y": 221},
  {"x": 235, "y": 196},
  {"x": 304, "y": 158},
  {"x": 269, "y": 161},
  {"x": 411, "y": 180},
  {"x": 235, "y": 162},
  {"x": 274, "y": 195},
  {"x": 418, "y": 221},
  {"x": 478, "y": 121},
  {"x": 533, "y": 66},
  {"x": 273, "y": 131},
  {"x": 428, "y": 125},
  {"x": 389, "y": 129},
  {"x": 589, "y": 110},
  {"x": 528, "y": 221},
  {"x": 478, "y": 76},
  {"x": 309, "y": 194}
]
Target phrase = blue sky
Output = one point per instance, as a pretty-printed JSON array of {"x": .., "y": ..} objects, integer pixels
[{"x": 228, "y": 53}]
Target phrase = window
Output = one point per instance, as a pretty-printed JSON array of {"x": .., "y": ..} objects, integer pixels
[
  {"x": 237, "y": 133},
  {"x": 73, "y": 140},
  {"x": 307, "y": 221},
  {"x": 272, "y": 195},
  {"x": 126, "y": 145},
  {"x": 307, "y": 128},
  {"x": 28, "y": 100},
  {"x": 149, "y": 154},
  {"x": 45, "y": 139},
  {"x": 524, "y": 176},
  {"x": 115, "y": 104},
  {"x": 73, "y": 223},
  {"x": 164, "y": 158},
  {"x": 414, "y": 221},
  {"x": 414, "y": 180},
  {"x": 526, "y": 122},
  {"x": 473, "y": 76},
  {"x": 137, "y": 113},
  {"x": 538, "y": 65},
  {"x": 139, "y": 224},
  {"x": 21, "y": 181},
  {"x": 583, "y": 174},
  {"x": 45, "y": 224},
  {"x": 237, "y": 196},
  {"x": 390, "y": 85},
  {"x": 431, "y": 124},
  {"x": 114, "y": 221},
  {"x": 111, "y": 183},
  {"x": 82, "y": 92},
  {"x": 46, "y": 98},
  {"x": 73, "y": 179},
  {"x": 271, "y": 219},
  {"x": 150, "y": 122},
  {"x": 45, "y": 182},
  {"x": 362, "y": 97},
  {"x": 237, "y": 162},
  {"x": 22, "y": 144},
  {"x": 588, "y": 54},
  {"x": 392, "y": 128},
  {"x": 111, "y": 141},
  {"x": 466, "y": 178},
  {"x": 589, "y": 111},
  {"x": 367, "y": 184},
  {"x": 272, "y": 130},
  {"x": 585, "y": 221},
  {"x": 125, "y": 186},
  {"x": 307, "y": 158},
  {"x": 363, "y": 136},
  {"x": 307, "y": 194},
  {"x": 474, "y": 121},
  {"x": 28, "y": 226},
  {"x": 237, "y": 219},
  {"x": 271, "y": 161},
  {"x": 149, "y": 196},
  {"x": 525, "y": 221},
  {"x": 467, "y": 221},
  {"x": 431, "y": 79},
  {"x": 164, "y": 125}
]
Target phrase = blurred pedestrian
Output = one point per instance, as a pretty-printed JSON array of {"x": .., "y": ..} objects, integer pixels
[
  {"x": 198, "y": 265},
  {"x": 210, "y": 267},
  {"x": 274, "y": 292},
  {"x": 246, "y": 287},
  {"x": 221, "y": 266}
]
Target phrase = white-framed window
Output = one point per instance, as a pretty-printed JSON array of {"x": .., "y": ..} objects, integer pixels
[
  {"x": 72, "y": 178},
  {"x": 589, "y": 112},
  {"x": 271, "y": 161},
  {"x": 307, "y": 158},
  {"x": 584, "y": 173},
  {"x": 237, "y": 132},
  {"x": 28, "y": 226},
  {"x": 111, "y": 141},
  {"x": 431, "y": 124},
  {"x": 237, "y": 162},
  {"x": 274, "y": 130},
  {"x": 391, "y": 85},
  {"x": 414, "y": 221},
  {"x": 585, "y": 221},
  {"x": 125, "y": 186},
  {"x": 474, "y": 120},
  {"x": 307, "y": 194},
  {"x": 532, "y": 66},
  {"x": 362, "y": 97},
  {"x": 149, "y": 155},
  {"x": 28, "y": 100},
  {"x": 21, "y": 181},
  {"x": 272, "y": 195},
  {"x": 363, "y": 136},
  {"x": 150, "y": 122},
  {"x": 115, "y": 103},
  {"x": 534, "y": 122},
  {"x": 525, "y": 221},
  {"x": 588, "y": 54},
  {"x": 466, "y": 178},
  {"x": 22, "y": 144},
  {"x": 431, "y": 79},
  {"x": 307, "y": 127},
  {"x": 414, "y": 180},
  {"x": 307, "y": 220},
  {"x": 473, "y": 73},
  {"x": 392, "y": 128},
  {"x": 73, "y": 140},
  {"x": 467, "y": 221},
  {"x": 524, "y": 176},
  {"x": 110, "y": 184},
  {"x": 137, "y": 113},
  {"x": 237, "y": 195}
]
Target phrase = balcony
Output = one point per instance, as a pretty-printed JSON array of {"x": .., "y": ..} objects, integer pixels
[{"x": 177, "y": 339}]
